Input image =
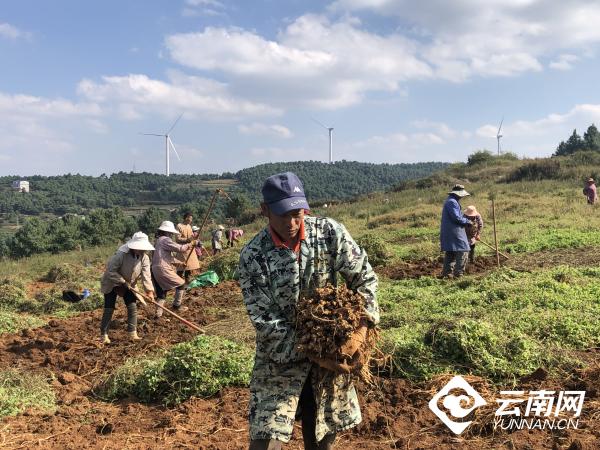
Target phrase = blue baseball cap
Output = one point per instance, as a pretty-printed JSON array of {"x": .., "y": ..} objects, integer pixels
[{"x": 283, "y": 193}]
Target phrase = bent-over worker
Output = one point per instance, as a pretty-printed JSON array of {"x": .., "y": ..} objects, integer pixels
[{"x": 123, "y": 269}]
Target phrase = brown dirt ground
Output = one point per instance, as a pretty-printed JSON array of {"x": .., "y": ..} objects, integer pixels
[
  {"x": 574, "y": 257},
  {"x": 395, "y": 412}
]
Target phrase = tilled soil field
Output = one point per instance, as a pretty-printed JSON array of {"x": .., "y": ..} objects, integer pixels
[{"x": 395, "y": 412}]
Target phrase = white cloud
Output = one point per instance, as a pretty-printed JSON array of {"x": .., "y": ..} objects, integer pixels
[
  {"x": 31, "y": 124},
  {"x": 134, "y": 93},
  {"x": 195, "y": 8},
  {"x": 580, "y": 117},
  {"x": 97, "y": 126},
  {"x": 11, "y": 32},
  {"x": 297, "y": 68},
  {"x": 29, "y": 105},
  {"x": 402, "y": 140},
  {"x": 466, "y": 38},
  {"x": 439, "y": 128},
  {"x": 564, "y": 62},
  {"x": 261, "y": 129}
]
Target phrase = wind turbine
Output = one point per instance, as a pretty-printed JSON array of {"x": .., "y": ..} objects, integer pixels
[
  {"x": 498, "y": 135},
  {"x": 168, "y": 143},
  {"x": 330, "y": 130}
]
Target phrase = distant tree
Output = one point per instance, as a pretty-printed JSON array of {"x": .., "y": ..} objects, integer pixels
[
  {"x": 64, "y": 234},
  {"x": 479, "y": 157},
  {"x": 572, "y": 145},
  {"x": 151, "y": 219},
  {"x": 237, "y": 206},
  {"x": 31, "y": 238},
  {"x": 591, "y": 139}
]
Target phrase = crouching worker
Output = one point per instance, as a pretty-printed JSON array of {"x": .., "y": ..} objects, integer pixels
[
  {"x": 164, "y": 275},
  {"x": 292, "y": 256},
  {"x": 123, "y": 269}
]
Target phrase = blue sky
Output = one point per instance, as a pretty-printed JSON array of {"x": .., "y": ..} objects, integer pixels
[{"x": 400, "y": 81}]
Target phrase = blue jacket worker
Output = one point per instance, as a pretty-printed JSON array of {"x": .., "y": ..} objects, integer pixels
[{"x": 453, "y": 237}]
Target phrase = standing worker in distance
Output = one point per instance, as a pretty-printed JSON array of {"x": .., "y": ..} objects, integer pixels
[
  {"x": 590, "y": 191},
  {"x": 217, "y": 239},
  {"x": 164, "y": 274},
  {"x": 123, "y": 269},
  {"x": 187, "y": 270},
  {"x": 292, "y": 256},
  {"x": 453, "y": 238}
]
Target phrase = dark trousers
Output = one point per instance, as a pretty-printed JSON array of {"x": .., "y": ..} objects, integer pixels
[
  {"x": 454, "y": 262},
  {"x": 110, "y": 301},
  {"x": 308, "y": 415},
  {"x": 472, "y": 254}
]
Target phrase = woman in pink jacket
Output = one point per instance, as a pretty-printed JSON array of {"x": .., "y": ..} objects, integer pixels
[{"x": 164, "y": 272}]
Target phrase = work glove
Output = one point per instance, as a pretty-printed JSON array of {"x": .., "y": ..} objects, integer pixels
[
  {"x": 340, "y": 367},
  {"x": 357, "y": 339}
]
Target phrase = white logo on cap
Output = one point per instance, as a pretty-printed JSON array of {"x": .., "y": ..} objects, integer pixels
[{"x": 297, "y": 189}]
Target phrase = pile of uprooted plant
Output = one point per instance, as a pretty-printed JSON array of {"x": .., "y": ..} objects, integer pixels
[{"x": 326, "y": 320}]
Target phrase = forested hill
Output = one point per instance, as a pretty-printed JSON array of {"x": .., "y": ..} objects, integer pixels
[
  {"x": 77, "y": 193},
  {"x": 339, "y": 180}
]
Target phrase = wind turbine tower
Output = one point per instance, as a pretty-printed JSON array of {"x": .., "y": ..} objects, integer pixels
[
  {"x": 330, "y": 130},
  {"x": 168, "y": 144},
  {"x": 498, "y": 135}
]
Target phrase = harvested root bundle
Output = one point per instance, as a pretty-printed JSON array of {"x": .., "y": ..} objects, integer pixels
[{"x": 327, "y": 320}]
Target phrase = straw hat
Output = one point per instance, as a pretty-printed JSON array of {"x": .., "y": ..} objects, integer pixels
[
  {"x": 195, "y": 228},
  {"x": 168, "y": 227},
  {"x": 590, "y": 180},
  {"x": 459, "y": 190},
  {"x": 471, "y": 211},
  {"x": 139, "y": 241},
  {"x": 221, "y": 227}
]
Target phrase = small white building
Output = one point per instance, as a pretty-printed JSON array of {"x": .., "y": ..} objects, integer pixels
[{"x": 20, "y": 185}]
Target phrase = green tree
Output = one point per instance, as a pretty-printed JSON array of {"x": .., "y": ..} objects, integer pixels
[
  {"x": 572, "y": 145},
  {"x": 591, "y": 139},
  {"x": 151, "y": 219},
  {"x": 479, "y": 157},
  {"x": 31, "y": 238},
  {"x": 237, "y": 206}
]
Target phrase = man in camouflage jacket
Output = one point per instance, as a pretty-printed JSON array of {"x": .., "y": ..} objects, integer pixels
[{"x": 292, "y": 256}]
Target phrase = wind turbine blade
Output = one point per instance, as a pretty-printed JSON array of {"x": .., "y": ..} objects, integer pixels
[
  {"x": 174, "y": 123},
  {"x": 500, "y": 127},
  {"x": 152, "y": 134},
  {"x": 319, "y": 123},
  {"x": 174, "y": 149}
]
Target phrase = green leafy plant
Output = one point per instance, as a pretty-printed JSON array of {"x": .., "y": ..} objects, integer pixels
[
  {"x": 201, "y": 367},
  {"x": 20, "y": 391}
]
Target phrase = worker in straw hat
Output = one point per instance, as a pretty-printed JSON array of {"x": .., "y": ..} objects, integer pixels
[
  {"x": 164, "y": 273},
  {"x": 590, "y": 191},
  {"x": 123, "y": 269},
  {"x": 217, "y": 239},
  {"x": 453, "y": 237},
  {"x": 188, "y": 262},
  {"x": 473, "y": 230},
  {"x": 295, "y": 254}
]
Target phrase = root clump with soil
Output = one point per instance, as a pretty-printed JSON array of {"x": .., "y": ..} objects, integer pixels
[{"x": 326, "y": 320}]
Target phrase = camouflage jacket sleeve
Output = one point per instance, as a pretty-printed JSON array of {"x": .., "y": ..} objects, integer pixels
[
  {"x": 273, "y": 330},
  {"x": 352, "y": 263}
]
